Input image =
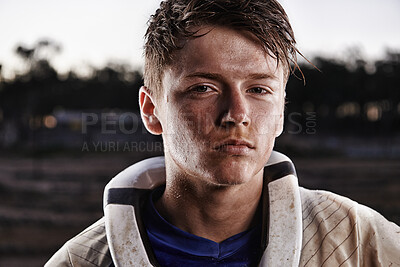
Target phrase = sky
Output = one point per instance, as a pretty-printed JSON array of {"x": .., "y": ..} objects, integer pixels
[{"x": 98, "y": 32}]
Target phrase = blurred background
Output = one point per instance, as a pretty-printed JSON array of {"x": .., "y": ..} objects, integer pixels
[{"x": 69, "y": 78}]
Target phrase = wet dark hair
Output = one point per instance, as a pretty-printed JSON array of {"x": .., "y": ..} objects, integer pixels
[{"x": 175, "y": 20}]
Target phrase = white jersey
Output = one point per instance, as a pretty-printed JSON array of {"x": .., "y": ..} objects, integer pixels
[{"x": 301, "y": 227}]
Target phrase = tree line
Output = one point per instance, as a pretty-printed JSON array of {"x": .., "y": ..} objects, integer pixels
[{"x": 346, "y": 96}]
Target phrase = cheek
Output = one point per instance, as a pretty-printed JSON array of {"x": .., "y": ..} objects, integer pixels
[
  {"x": 197, "y": 120},
  {"x": 188, "y": 133},
  {"x": 267, "y": 118},
  {"x": 188, "y": 122}
]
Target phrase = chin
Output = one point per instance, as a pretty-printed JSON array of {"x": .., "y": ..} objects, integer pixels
[
  {"x": 229, "y": 182},
  {"x": 232, "y": 175}
]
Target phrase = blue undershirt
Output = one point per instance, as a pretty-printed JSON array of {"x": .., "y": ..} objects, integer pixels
[{"x": 174, "y": 247}]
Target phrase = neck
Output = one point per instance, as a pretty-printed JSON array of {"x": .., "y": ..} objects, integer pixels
[{"x": 210, "y": 211}]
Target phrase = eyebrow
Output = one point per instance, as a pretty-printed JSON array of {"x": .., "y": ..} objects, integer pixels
[
  {"x": 207, "y": 75},
  {"x": 260, "y": 76},
  {"x": 216, "y": 76}
]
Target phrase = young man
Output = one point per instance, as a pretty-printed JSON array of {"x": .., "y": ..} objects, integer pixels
[{"x": 215, "y": 79}]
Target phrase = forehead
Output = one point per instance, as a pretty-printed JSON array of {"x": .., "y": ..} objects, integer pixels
[{"x": 223, "y": 50}]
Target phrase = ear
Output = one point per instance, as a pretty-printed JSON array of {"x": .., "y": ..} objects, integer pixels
[
  {"x": 147, "y": 111},
  {"x": 279, "y": 126},
  {"x": 281, "y": 119}
]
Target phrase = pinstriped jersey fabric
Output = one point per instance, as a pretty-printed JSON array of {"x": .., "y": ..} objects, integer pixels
[
  {"x": 329, "y": 236},
  {"x": 89, "y": 248},
  {"x": 339, "y": 232}
]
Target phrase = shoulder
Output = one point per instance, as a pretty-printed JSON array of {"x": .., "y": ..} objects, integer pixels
[
  {"x": 319, "y": 203},
  {"x": 338, "y": 230},
  {"x": 88, "y": 248}
]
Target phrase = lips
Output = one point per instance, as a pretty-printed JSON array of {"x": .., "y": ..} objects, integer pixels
[{"x": 235, "y": 147}]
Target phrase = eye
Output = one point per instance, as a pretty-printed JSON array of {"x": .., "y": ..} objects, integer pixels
[
  {"x": 258, "y": 90},
  {"x": 201, "y": 89}
]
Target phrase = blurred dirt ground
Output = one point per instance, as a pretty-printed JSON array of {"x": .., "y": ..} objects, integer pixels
[{"x": 46, "y": 200}]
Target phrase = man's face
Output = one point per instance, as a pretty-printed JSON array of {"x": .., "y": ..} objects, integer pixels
[{"x": 221, "y": 108}]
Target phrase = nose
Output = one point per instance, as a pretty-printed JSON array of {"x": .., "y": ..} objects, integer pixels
[{"x": 235, "y": 110}]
